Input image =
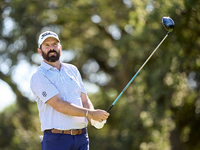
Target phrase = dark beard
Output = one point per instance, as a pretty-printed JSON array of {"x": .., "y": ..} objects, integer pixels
[{"x": 52, "y": 58}]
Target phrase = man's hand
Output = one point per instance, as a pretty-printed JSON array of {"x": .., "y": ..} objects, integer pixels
[{"x": 98, "y": 115}]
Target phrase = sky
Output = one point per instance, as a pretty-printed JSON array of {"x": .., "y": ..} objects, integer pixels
[
  {"x": 7, "y": 95},
  {"x": 21, "y": 75}
]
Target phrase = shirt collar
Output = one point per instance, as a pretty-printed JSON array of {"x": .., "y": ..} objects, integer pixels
[{"x": 47, "y": 66}]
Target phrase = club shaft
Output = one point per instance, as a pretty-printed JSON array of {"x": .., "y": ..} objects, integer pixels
[{"x": 136, "y": 73}]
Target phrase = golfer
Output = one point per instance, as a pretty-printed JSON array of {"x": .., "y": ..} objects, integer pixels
[{"x": 63, "y": 104}]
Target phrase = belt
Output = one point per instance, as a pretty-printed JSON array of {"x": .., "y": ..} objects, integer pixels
[{"x": 71, "y": 132}]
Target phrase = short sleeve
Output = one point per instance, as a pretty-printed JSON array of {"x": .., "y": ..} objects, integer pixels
[{"x": 42, "y": 88}]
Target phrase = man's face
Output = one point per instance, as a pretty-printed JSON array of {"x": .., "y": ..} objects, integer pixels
[{"x": 51, "y": 50}]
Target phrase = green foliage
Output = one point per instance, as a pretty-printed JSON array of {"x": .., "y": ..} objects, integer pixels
[{"x": 110, "y": 41}]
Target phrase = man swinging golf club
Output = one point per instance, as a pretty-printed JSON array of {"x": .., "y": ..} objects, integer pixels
[{"x": 62, "y": 100}]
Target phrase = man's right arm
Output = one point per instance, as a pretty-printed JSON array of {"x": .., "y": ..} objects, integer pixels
[{"x": 73, "y": 110}]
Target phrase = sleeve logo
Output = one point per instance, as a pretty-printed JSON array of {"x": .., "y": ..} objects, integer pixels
[{"x": 44, "y": 94}]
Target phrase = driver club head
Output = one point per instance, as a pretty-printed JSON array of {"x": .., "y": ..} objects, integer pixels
[{"x": 168, "y": 23}]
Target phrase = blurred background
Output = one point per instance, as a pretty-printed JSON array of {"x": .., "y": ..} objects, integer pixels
[{"x": 108, "y": 41}]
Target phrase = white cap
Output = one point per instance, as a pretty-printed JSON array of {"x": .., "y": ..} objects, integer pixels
[{"x": 43, "y": 36}]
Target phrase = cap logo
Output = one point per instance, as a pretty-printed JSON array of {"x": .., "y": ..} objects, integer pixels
[
  {"x": 45, "y": 35},
  {"x": 49, "y": 33}
]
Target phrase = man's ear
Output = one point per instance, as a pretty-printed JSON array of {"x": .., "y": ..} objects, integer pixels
[{"x": 39, "y": 51}]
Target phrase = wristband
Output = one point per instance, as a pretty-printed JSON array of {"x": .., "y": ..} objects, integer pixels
[{"x": 86, "y": 113}]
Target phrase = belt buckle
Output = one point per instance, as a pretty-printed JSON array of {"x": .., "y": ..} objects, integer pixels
[{"x": 72, "y": 132}]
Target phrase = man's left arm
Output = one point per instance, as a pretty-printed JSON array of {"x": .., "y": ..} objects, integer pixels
[
  {"x": 88, "y": 104},
  {"x": 86, "y": 101}
]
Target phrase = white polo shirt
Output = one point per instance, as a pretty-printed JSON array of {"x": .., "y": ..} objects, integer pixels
[{"x": 47, "y": 82}]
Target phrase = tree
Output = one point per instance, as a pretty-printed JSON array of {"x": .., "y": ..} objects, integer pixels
[{"x": 108, "y": 41}]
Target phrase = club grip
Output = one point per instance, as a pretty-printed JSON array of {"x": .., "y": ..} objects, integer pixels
[{"x": 110, "y": 108}]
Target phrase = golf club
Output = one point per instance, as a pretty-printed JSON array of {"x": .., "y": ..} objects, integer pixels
[{"x": 168, "y": 23}]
